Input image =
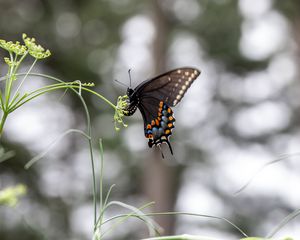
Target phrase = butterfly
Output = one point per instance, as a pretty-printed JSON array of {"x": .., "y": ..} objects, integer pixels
[{"x": 155, "y": 97}]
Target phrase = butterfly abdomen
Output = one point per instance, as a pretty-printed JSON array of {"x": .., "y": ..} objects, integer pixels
[{"x": 160, "y": 128}]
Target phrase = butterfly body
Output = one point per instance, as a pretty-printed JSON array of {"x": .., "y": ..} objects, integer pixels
[{"x": 155, "y": 97}]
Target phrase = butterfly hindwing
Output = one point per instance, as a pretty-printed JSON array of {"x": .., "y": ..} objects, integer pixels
[{"x": 158, "y": 122}]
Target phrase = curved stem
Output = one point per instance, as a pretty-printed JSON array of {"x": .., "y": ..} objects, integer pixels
[
  {"x": 41, "y": 155},
  {"x": 89, "y": 130},
  {"x": 136, "y": 212},
  {"x": 287, "y": 219},
  {"x": 179, "y": 213},
  {"x": 39, "y": 92},
  {"x": 83, "y": 88}
]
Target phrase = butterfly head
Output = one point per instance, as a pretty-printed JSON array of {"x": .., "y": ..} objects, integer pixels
[{"x": 129, "y": 92}]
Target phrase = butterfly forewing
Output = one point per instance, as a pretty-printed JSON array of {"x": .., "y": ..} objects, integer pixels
[{"x": 171, "y": 86}]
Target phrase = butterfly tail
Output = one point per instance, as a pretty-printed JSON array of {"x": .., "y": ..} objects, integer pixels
[
  {"x": 162, "y": 154},
  {"x": 170, "y": 147}
]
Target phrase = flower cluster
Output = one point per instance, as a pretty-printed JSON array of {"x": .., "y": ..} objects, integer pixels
[
  {"x": 12, "y": 47},
  {"x": 121, "y": 107},
  {"x": 35, "y": 50}
]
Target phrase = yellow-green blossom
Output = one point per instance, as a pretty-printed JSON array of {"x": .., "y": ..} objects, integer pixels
[
  {"x": 35, "y": 50},
  {"x": 16, "y": 47},
  {"x": 120, "y": 110},
  {"x": 9, "y": 196}
]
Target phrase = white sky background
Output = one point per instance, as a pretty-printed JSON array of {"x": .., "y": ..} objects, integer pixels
[{"x": 265, "y": 33}]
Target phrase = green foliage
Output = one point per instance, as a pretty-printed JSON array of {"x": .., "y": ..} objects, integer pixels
[{"x": 17, "y": 53}]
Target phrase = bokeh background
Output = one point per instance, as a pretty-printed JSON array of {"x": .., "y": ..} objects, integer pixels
[{"x": 241, "y": 113}]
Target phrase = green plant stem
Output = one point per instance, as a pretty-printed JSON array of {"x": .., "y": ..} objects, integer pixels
[
  {"x": 14, "y": 105},
  {"x": 287, "y": 219},
  {"x": 3, "y": 119},
  {"x": 69, "y": 86},
  {"x": 1, "y": 101},
  {"x": 89, "y": 130},
  {"x": 100, "y": 184},
  {"x": 10, "y": 77},
  {"x": 105, "y": 206},
  {"x": 28, "y": 98},
  {"x": 37, "y": 93},
  {"x": 83, "y": 88},
  {"x": 20, "y": 85},
  {"x": 8, "y": 84}
]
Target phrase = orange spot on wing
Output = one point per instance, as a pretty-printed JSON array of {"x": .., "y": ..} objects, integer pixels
[
  {"x": 148, "y": 126},
  {"x": 169, "y": 110},
  {"x": 170, "y": 125},
  {"x": 157, "y": 122},
  {"x": 167, "y": 131},
  {"x": 161, "y": 103},
  {"x": 171, "y": 118},
  {"x": 152, "y": 122},
  {"x": 149, "y": 135}
]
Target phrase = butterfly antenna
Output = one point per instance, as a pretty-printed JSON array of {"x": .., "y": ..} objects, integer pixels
[
  {"x": 129, "y": 73},
  {"x": 123, "y": 84}
]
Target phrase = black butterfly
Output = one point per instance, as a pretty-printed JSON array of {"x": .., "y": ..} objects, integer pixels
[{"x": 154, "y": 98}]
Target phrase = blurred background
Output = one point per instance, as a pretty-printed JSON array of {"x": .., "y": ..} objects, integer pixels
[{"x": 242, "y": 112}]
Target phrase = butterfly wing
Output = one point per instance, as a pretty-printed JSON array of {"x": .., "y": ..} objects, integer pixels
[
  {"x": 158, "y": 121},
  {"x": 169, "y": 87}
]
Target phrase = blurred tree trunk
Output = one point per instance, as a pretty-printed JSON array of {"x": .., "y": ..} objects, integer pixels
[{"x": 159, "y": 176}]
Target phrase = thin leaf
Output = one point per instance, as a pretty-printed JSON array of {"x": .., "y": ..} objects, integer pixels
[
  {"x": 153, "y": 227},
  {"x": 282, "y": 158},
  {"x": 286, "y": 220},
  {"x": 41, "y": 155}
]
